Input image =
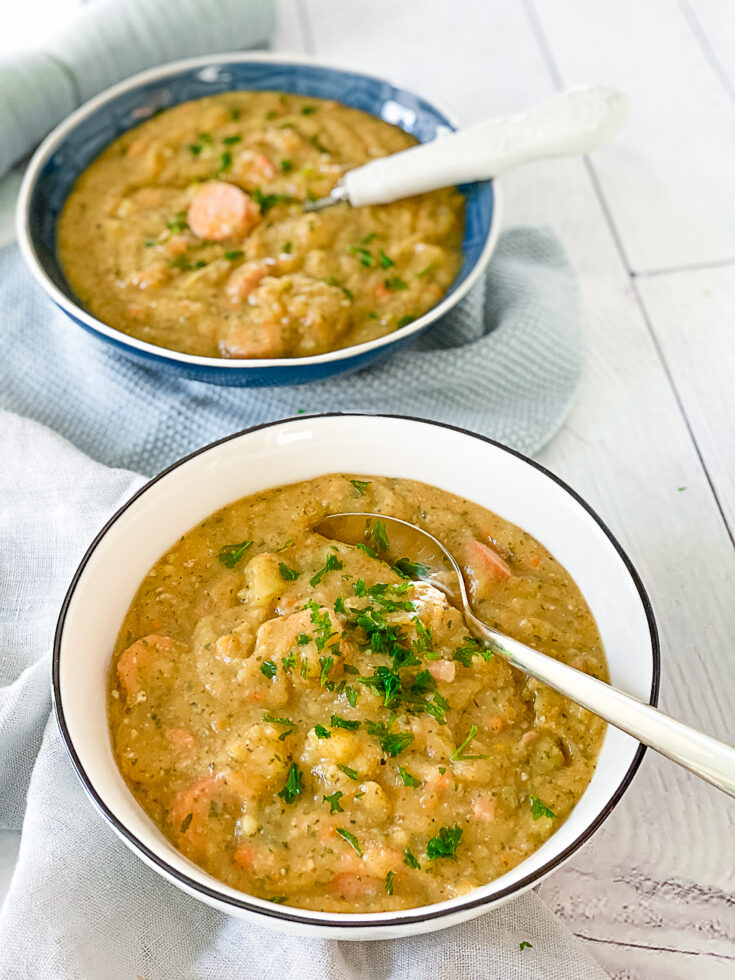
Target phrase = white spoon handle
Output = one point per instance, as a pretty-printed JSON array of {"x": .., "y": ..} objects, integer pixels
[
  {"x": 699, "y": 753},
  {"x": 574, "y": 122}
]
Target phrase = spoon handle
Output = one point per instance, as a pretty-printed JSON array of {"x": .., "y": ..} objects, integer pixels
[
  {"x": 573, "y": 122},
  {"x": 699, "y": 753}
]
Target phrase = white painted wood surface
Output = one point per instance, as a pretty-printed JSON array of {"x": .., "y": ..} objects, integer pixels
[{"x": 649, "y": 224}]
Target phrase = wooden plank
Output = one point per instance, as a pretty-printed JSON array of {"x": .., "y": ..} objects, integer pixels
[
  {"x": 691, "y": 314},
  {"x": 668, "y": 176},
  {"x": 626, "y": 447}
]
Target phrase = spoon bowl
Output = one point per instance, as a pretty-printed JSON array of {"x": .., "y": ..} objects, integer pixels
[{"x": 418, "y": 554}]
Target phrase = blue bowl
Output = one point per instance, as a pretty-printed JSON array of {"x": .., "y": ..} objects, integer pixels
[{"x": 75, "y": 143}]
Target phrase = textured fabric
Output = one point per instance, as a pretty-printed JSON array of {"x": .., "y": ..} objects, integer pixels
[
  {"x": 504, "y": 363},
  {"x": 81, "y": 906},
  {"x": 108, "y": 41}
]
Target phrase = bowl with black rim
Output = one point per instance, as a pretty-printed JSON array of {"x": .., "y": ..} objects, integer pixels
[
  {"x": 460, "y": 462},
  {"x": 77, "y": 141}
]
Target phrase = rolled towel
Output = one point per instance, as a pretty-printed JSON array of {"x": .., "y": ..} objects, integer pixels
[{"x": 107, "y": 42}]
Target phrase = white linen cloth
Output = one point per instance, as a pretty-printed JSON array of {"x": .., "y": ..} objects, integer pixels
[
  {"x": 108, "y": 41},
  {"x": 81, "y": 906}
]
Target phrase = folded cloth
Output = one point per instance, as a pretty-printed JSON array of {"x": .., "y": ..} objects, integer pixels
[
  {"x": 505, "y": 363},
  {"x": 106, "y": 42},
  {"x": 80, "y": 905}
]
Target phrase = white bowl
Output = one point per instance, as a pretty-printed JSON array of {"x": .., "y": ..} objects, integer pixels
[{"x": 298, "y": 449}]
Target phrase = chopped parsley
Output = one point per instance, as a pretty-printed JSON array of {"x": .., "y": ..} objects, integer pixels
[
  {"x": 339, "y": 722},
  {"x": 195, "y": 149},
  {"x": 365, "y": 256},
  {"x": 405, "y": 320},
  {"x": 379, "y": 535},
  {"x": 231, "y": 140},
  {"x": 271, "y": 719},
  {"x": 231, "y": 554},
  {"x": 321, "y": 732},
  {"x": 286, "y": 166},
  {"x": 394, "y": 283},
  {"x": 317, "y": 144},
  {"x": 471, "y": 648},
  {"x": 183, "y": 263},
  {"x": 178, "y": 223},
  {"x": 308, "y": 110},
  {"x": 351, "y": 839},
  {"x": 186, "y": 822},
  {"x": 396, "y": 742},
  {"x": 333, "y": 801},
  {"x": 385, "y": 261},
  {"x": 408, "y": 779},
  {"x": 323, "y": 624},
  {"x": 287, "y": 574},
  {"x": 268, "y": 669},
  {"x": 410, "y": 860},
  {"x": 423, "y": 682},
  {"x": 339, "y": 605},
  {"x": 458, "y": 756},
  {"x": 360, "y": 486},
  {"x": 233, "y": 254},
  {"x": 368, "y": 551},
  {"x": 333, "y": 564},
  {"x": 425, "y": 271},
  {"x": 389, "y": 882},
  {"x": 446, "y": 844},
  {"x": 294, "y": 784},
  {"x": 205, "y": 138},
  {"x": 368, "y": 238},
  {"x": 325, "y": 663},
  {"x": 350, "y": 773},
  {"x": 267, "y": 201},
  {"x": 288, "y": 662},
  {"x": 287, "y": 248},
  {"x": 410, "y": 569},
  {"x": 539, "y": 809},
  {"x": 352, "y": 696},
  {"x": 333, "y": 281},
  {"x": 225, "y": 162},
  {"x": 525, "y": 945}
]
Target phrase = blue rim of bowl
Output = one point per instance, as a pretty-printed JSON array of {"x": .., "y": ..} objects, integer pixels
[
  {"x": 292, "y": 915},
  {"x": 163, "y": 354}
]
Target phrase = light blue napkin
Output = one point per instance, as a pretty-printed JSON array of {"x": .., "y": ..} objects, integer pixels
[
  {"x": 504, "y": 363},
  {"x": 110, "y": 40}
]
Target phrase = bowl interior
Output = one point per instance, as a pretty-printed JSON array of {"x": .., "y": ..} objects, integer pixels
[
  {"x": 299, "y": 449},
  {"x": 108, "y": 117}
]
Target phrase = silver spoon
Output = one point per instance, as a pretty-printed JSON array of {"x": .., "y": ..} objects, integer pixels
[
  {"x": 571, "y": 122},
  {"x": 699, "y": 753}
]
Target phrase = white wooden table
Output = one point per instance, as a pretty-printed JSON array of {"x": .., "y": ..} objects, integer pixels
[{"x": 649, "y": 224}]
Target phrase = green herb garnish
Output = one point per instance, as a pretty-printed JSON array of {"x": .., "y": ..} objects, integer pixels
[
  {"x": 271, "y": 719},
  {"x": 308, "y": 110},
  {"x": 287, "y": 574},
  {"x": 286, "y": 166},
  {"x": 326, "y": 664},
  {"x": 539, "y": 809},
  {"x": 410, "y": 569},
  {"x": 333, "y": 281},
  {"x": 395, "y": 743},
  {"x": 445, "y": 845},
  {"x": 333, "y": 564},
  {"x": 268, "y": 669},
  {"x": 287, "y": 248},
  {"x": 360, "y": 486},
  {"x": 457, "y": 755},
  {"x": 389, "y": 882},
  {"x": 288, "y": 662},
  {"x": 225, "y": 162},
  {"x": 321, "y": 732},
  {"x": 350, "y": 838},
  {"x": 364, "y": 254},
  {"x": 231, "y": 554},
  {"x": 410, "y": 860},
  {"x": 231, "y": 140},
  {"x": 233, "y": 254},
  {"x": 405, "y": 320},
  {"x": 294, "y": 784},
  {"x": 350, "y": 773},
  {"x": 379, "y": 535},
  {"x": 385, "y": 261},
  {"x": 394, "y": 283},
  {"x": 408, "y": 779},
  {"x": 338, "y": 722},
  {"x": 185, "y": 823},
  {"x": 525, "y": 945},
  {"x": 333, "y": 801},
  {"x": 425, "y": 272}
]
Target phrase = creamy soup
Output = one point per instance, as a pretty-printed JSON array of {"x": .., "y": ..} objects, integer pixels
[
  {"x": 310, "y": 725},
  {"x": 188, "y": 231}
]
